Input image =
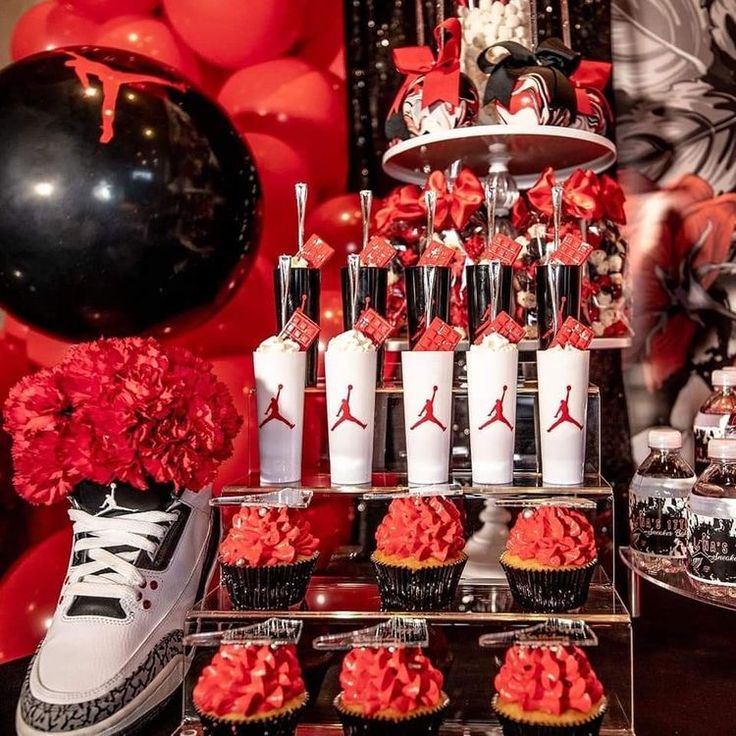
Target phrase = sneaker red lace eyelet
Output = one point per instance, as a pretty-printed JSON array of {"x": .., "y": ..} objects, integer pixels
[
  {"x": 139, "y": 596},
  {"x": 146, "y": 604},
  {"x": 154, "y": 585},
  {"x": 142, "y": 585}
]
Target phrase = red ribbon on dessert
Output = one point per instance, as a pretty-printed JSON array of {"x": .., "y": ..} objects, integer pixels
[
  {"x": 441, "y": 75},
  {"x": 589, "y": 75}
]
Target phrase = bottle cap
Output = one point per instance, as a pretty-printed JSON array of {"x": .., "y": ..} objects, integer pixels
[
  {"x": 724, "y": 377},
  {"x": 722, "y": 449},
  {"x": 665, "y": 438}
]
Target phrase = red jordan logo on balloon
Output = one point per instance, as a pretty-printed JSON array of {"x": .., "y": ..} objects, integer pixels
[
  {"x": 111, "y": 81},
  {"x": 273, "y": 413},
  {"x": 427, "y": 413},
  {"x": 496, "y": 414},
  {"x": 563, "y": 413},
  {"x": 344, "y": 414}
]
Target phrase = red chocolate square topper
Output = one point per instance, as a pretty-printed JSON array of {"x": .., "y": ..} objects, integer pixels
[
  {"x": 316, "y": 252},
  {"x": 436, "y": 254},
  {"x": 438, "y": 336},
  {"x": 301, "y": 329},
  {"x": 501, "y": 248},
  {"x": 573, "y": 333},
  {"x": 572, "y": 251},
  {"x": 378, "y": 252},
  {"x": 375, "y": 327},
  {"x": 504, "y": 324}
]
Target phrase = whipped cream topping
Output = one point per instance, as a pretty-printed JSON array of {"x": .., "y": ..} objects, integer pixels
[
  {"x": 495, "y": 342},
  {"x": 278, "y": 344},
  {"x": 566, "y": 348},
  {"x": 352, "y": 341}
]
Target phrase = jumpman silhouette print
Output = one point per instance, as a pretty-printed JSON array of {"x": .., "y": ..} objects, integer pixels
[
  {"x": 427, "y": 413},
  {"x": 273, "y": 413},
  {"x": 563, "y": 413},
  {"x": 344, "y": 414},
  {"x": 496, "y": 414},
  {"x": 111, "y": 81}
]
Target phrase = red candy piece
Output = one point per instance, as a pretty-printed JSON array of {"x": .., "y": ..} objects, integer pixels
[
  {"x": 316, "y": 252},
  {"x": 438, "y": 336},
  {"x": 504, "y": 325},
  {"x": 375, "y": 327},
  {"x": 501, "y": 248},
  {"x": 378, "y": 252},
  {"x": 573, "y": 333},
  {"x": 572, "y": 251},
  {"x": 301, "y": 329},
  {"x": 437, "y": 254}
]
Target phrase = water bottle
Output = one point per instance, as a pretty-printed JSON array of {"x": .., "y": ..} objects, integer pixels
[
  {"x": 658, "y": 504},
  {"x": 711, "y": 534},
  {"x": 713, "y": 418}
]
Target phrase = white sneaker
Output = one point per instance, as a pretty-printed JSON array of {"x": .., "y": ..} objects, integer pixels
[{"x": 113, "y": 652}]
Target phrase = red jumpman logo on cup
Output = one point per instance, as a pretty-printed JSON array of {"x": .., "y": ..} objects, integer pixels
[
  {"x": 496, "y": 414},
  {"x": 273, "y": 413},
  {"x": 344, "y": 414},
  {"x": 563, "y": 413},
  {"x": 427, "y": 413}
]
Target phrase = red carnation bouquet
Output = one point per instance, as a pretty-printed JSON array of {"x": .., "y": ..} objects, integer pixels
[{"x": 126, "y": 410}]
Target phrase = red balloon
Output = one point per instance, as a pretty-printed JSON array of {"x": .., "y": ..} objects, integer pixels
[
  {"x": 102, "y": 10},
  {"x": 48, "y": 26},
  {"x": 236, "y": 33},
  {"x": 300, "y": 104},
  {"x": 29, "y": 592},
  {"x": 151, "y": 37},
  {"x": 323, "y": 42}
]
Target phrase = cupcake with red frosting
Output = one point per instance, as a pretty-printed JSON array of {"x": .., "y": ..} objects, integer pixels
[
  {"x": 548, "y": 691},
  {"x": 267, "y": 558},
  {"x": 390, "y": 691},
  {"x": 419, "y": 553},
  {"x": 550, "y": 558}
]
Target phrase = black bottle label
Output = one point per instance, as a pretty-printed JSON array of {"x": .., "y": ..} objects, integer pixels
[
  {"x": 711, "y": 548},
  {"x": 658, "y": 525}
]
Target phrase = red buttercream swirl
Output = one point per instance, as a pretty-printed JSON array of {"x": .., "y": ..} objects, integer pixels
[
  {"x": 382, "y": 678},
  {"x": 554, "y": 536},
  {"x": 248, "y": 680},
  {"x": 262, "y": 537},
  {"x": 421, "y": 528},
  {"x": 549, "y": 679}
]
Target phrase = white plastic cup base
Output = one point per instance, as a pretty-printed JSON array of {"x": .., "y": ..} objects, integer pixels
[
  {"x": 563, "y": 408},
  {"x": 350, "y": 380},
  {"x": 280, "y": 405},
  {"x": 492, "y": 377},
  {"x": 427, "y": 379}
]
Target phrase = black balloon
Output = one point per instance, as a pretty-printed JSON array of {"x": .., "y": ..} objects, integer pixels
[{"x": 128, "y": 202}]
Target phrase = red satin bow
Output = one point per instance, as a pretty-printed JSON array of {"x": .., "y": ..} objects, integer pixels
[
  {"x": 584, "y": 196},
  {"x": 589, "y": 75},
  {"x": 454, "y": 208},
  {"x": 441, "y": 76}
]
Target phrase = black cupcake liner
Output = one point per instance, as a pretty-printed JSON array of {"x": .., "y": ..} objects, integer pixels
[
  {"x": 422, "y": 589},
  {"x": 283, "y": 724},
  {"x": 267, "y": 588},
  {"x": 511, "y": 727},
  {"x": 427, "y": 724},
  {"x": 549, "y": 591}
]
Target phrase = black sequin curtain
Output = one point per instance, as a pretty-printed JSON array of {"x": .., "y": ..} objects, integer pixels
[{"x": 373, "y": 28}]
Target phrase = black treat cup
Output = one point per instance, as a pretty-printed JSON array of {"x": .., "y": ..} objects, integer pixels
[
  {"x": 421, "y": 589},
  {"x": 427, "y": 287},
  {"x": 550, "y": 591},
  {"x": 302, "y": 282},
  {"x": 372, "y": 285},
  {"x": 268, "y": 588},
  {"x": 558, "y": 294},
  {"x": 483, "y": 281},
  {"x": 511, "y": 727},
  {"x": 283, "y": 724},
  {"x": 427, "y": 724}
]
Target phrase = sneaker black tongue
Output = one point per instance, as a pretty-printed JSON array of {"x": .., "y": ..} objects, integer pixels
[{"x": 121, "y": 498}]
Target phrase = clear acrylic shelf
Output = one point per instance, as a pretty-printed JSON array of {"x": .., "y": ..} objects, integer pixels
[
  {"x": 399, "y": 344},
  {"x": 531, "y": 149},
  {"x": 676, "y": 582}
]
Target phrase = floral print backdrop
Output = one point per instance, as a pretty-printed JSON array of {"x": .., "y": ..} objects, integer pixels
[{"x": 675, "y": 87}]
